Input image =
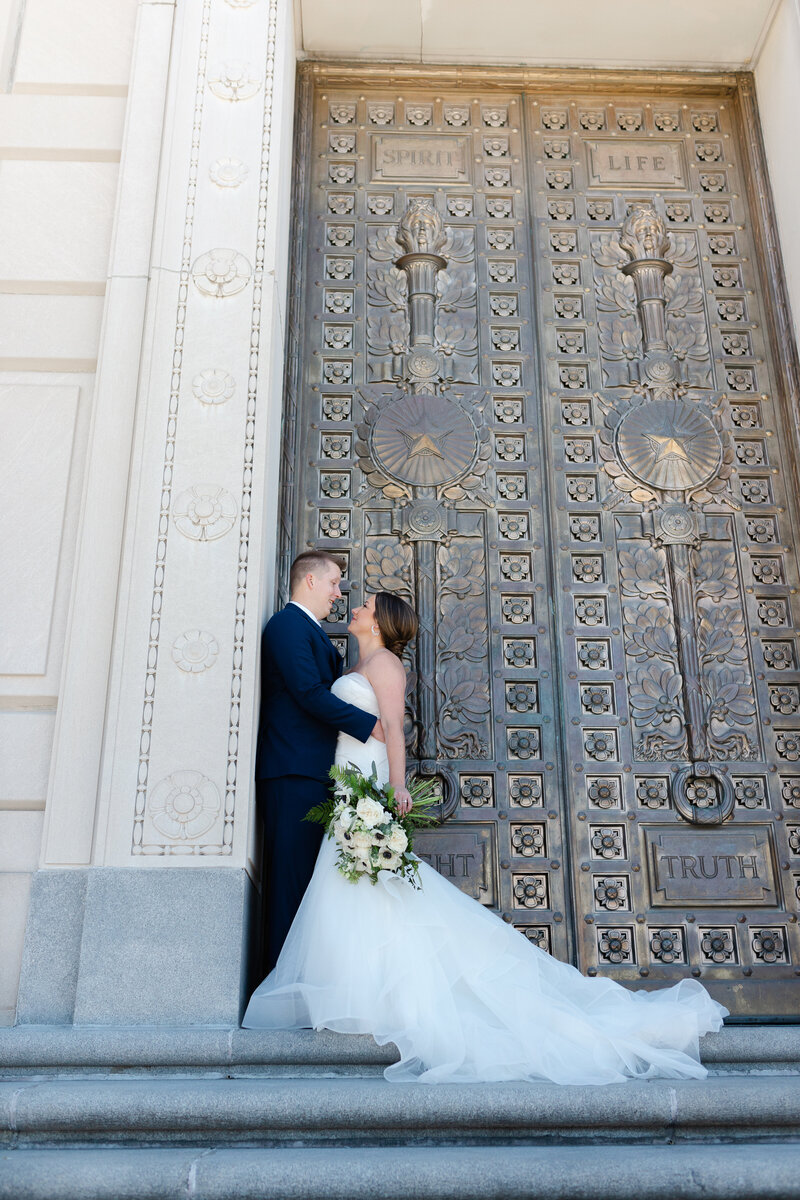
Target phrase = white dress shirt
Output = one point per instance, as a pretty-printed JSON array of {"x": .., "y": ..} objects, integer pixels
[{"x": 308, "y": 612}]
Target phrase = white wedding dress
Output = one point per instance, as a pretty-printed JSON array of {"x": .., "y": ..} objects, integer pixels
[{"x": 464, "y": 996}]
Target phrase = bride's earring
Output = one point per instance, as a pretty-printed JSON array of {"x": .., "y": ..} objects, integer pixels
[{"x": 375, "y": 630}]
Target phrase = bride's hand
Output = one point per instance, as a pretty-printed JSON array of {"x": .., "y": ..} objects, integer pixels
[{"x": 403, "y": 800}]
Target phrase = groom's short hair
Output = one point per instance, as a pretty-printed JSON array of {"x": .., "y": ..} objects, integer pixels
[{"x": 310, "y": 562}]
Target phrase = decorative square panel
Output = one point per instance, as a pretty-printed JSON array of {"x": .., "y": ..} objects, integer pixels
[
  {"x": 667, "y": 121},
  {"x": 779, "y": 656},
  {"x": 616, "y": 945},
  {"x": 558, "y": 179},
  {"x": 705, "y": 122},
  {"x": 339, "y": 235},
  {"x": 571, "y": 341},
  {"x": 339, "y": 612},
  {"x": 579, "y": 450},
  {"x": 755, "y": 491},
  {"x": 337, "y": 408},
  {"x": 592, "y": 119},
  {"x": 419, "y": 114},
  {"x": 576, "y": 412},
  {"x": 573, "y": 376},
  {"x": 539, "y": 935},
  {"x": 772, "y": 612},
  {"x": 477, "y": 790},
  {"x": 584, "y": 527},
  {"x": 594, "y": 654},
  {"x": 499, "y": 207},
  {"x": 504, "y": 304},
  {"x": 509, "y": 449},
  {"x": 629, "y": 120},
  {"x": 787, "y": 744},
  {"x": 459, "y": 206},
  {"x": 600, "y": 745},
  {"x": 341, "y": 203},
  {"x": 338, "y": 301},
  {"x": 582, "y": 489},
  {"x": 597, "y": 698},
  {"x": 566, "y": 274},
  {"x": 762, "y": 530},
  {"x": 497, "y": 177},
  {"x": 504, "y": 339},
  {"x": 522, "y": 697},
  {"x": 607, "y": 841},
  {"x": 678, "y": 211},
  {"x": 342, "y": 112},
  {"x": 713, "y": 181},
  {"x": 495, "y": 116},
  {"x": 667, "y": 944},
  {"x": 341, "y": 143},
  {"x": 519, "y": 652},
  {"x": 556, "y": 147},
  {"x": 517, "y": 608},
  {"x": 335, "y": 485},
  {"x": 604, "y": 791},
  {"x": 588, "y": 568},
  {"x": 554, "y": 118},
  {"x": 722, "y": 243},
  {"x": 495, "y": 147},
  {"x": 523, "y": 743},
  {"x": 500, "y": 239},
  {"x": 525, "y": 791},
  {"x": 341, "y": 172},
  {"x": 568, "y": 307},
  {"x": 336, "y": 446},
  {"x": 381, "y": 204},
  {"x": 751, "y": 452},
  {"x": 767, "y": 569},
  {"x": 717, "y": 944},
  {"x": 338, "y": 337},
  {"x": 731, "y": 310},
  {"x": 561, "y": 209},
  {"x": 502, "y": 270},
  {"x": 563, "y": 241},
  {"x": 380, "y": 112},
  {"x": 611, "y": 893},
  {"x": 769, "y": 945},
  {"x": 513, "y": 526},
  {"x": 590, "y": 610},
  {"x": 456, "y": 115},
  {"x": 717, "y": 212},
  {"x": 530, "y": 891},
  {"x": 512, "y": 487},
  {"x": 790, "y": 790},
  {"x": 600, "y": 210},
  {"x": 528, "y": 841},
  {"x": 727, "y": 277},
  {"x": 340, "y": 645},
  {"x": 741, "y": 379},
  {"x": 652, "y": 791},
  {"x": 743, "y": 415},
  {"x": 334, "y": 524},
  {"x": 749, "y": 791},
  {"x": 508, "y": 412},
  {"x": 339, "y": 268},
  {"x": 337, "y": 372},
  {"x": 515, "y": 567}
]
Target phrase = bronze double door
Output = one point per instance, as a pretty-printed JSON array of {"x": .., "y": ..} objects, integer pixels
[{"x": 531, "y": 389}]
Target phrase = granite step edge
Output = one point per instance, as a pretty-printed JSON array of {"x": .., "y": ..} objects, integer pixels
[{"x": 733, "y": 1172}]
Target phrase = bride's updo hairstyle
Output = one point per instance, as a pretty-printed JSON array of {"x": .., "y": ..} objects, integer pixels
[{"x": 397, "y": 621}]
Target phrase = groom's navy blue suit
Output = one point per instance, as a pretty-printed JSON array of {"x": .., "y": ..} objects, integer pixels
[{"x": 300, "y": 718}]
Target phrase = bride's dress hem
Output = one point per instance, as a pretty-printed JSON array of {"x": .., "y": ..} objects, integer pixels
[{"x": 464, "y": 996}]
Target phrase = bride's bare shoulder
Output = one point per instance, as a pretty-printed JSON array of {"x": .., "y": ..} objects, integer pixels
[{"x": 384, "y": 667}]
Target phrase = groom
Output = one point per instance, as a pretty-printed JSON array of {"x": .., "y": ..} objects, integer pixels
[{"x": 300, "y": 719}]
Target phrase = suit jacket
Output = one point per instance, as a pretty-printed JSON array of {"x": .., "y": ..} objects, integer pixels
[{"x": 300, "y": 717}]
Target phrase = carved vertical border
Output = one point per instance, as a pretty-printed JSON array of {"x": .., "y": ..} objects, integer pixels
[
  {"x": 159, "y": 571},
  {"x": 764, "y": 226},
  {"x": 301, "y": 159},
  {"x": 234, "y": 716}
]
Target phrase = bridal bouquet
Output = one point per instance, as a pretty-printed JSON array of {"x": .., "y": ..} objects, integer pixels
[{"x": 370, "y": 834}]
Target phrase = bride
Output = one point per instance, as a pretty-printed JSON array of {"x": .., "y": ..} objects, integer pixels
[{"x": 464, "y": 996}]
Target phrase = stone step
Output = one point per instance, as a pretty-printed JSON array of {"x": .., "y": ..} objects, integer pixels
[
  {"x": 362, "y": 1111},
  {"x": 738, "y": 1172},
  {"x": 52, "y": 1049}
]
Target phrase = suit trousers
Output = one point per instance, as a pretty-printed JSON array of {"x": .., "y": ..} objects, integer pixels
[{"x": 291, "y": 846}]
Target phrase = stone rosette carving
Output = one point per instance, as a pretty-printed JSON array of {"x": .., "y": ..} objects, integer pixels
[
  {"x": 184, "y": 806},
  {"x": 221, "y": 273},
  {"x": 213, "y": 386},
  {"x": 234, "y": 81},
  {"x": 228, "y": 172},
  {"x": 204, "y": 512},
  {"x": 195, "y": 651}
]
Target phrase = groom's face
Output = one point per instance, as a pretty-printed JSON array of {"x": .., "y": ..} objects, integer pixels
[{"x": 325, "y": 591}]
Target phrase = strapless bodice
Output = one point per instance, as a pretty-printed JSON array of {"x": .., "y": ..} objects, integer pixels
[{"x": 357, "y": 689}]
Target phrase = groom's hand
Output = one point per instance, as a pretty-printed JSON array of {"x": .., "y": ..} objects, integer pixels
[{"x": 378, "y": 733}]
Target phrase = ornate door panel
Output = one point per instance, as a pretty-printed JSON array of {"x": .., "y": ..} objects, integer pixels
[{"x": 530, "y": 391}]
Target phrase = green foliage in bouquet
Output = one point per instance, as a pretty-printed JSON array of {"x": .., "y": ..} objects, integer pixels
[{"x": 371, "y": 836}]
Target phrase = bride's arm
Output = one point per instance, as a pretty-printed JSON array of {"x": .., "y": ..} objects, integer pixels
[{"x": 388, "y": 678}]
